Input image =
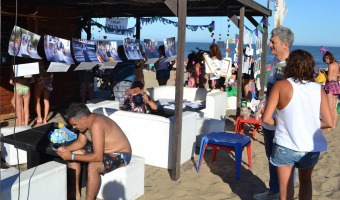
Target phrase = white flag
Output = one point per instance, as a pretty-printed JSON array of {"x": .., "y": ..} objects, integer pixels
[{"x": 280, "y": 11}]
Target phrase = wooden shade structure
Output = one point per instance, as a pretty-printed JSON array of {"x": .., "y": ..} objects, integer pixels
[{"x": 236, "y": 10}]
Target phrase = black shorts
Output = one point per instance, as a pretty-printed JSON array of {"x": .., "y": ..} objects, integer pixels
[
  {"x": 112, "y": 160},
  {"x": 248, "y": 76},
  {"x": 163, "y": 74}
]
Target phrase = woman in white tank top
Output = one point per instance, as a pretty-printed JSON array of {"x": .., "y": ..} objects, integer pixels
[{"x": 298, "y": 140}]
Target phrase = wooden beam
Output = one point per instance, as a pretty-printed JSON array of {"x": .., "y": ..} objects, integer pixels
[
  {"x": 235, "y": 20},
  {"x": 263, "y": 58},
  {"x": 256, "y": 6},
  {"x": 240, "y": 63},
  {"x": 172, "y": 5},
  {"x": 176, "y": 145}
]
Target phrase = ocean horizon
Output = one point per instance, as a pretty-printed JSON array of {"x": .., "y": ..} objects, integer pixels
[{"x": 314, "y": 50}]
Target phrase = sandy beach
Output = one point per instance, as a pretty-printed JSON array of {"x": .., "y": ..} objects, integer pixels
[{"x": 217, "y": 181}]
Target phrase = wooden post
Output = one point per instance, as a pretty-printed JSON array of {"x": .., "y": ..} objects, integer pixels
[
  {"x": 138, "y": 28},
  {"x": 264, "y": 57},
  {"x": 240, "y": 61},
  {"x": 177, "y": 136},
  {"x": 263, "y": 60}
]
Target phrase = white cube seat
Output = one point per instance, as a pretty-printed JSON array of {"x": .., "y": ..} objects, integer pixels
[
  {"x": 45, "y": 181},
  {"x": 101, "y": 105},
  {"x": 8, "y": 151},
  {"x": 125, "y": 182}
]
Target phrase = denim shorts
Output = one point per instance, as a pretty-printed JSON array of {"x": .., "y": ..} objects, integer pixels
[{"x": 282, "y": 156}]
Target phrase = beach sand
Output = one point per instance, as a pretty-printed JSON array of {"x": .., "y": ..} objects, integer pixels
[{"x": 217, "y": 181}]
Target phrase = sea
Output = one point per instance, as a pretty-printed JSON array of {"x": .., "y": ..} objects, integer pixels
[{"x": 314, "y": 50}]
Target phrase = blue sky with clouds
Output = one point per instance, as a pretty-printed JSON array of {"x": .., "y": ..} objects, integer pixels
[{"x": 314, "y": 23}]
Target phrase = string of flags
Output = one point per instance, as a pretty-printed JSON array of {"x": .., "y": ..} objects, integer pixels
[{"x": 149, "y": 20}]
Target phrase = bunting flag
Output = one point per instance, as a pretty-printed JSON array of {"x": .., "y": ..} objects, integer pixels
[{"x": 150, "y": 20}]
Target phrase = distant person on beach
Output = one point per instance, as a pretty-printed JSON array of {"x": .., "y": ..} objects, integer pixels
[
  {"x": 43, "y": 87},
  {"x": 136, "y": 100},
  {"x": 196, "y": 71},
  {"x": 302, "y": 109},
  {"x": 332, "y": 86},
  {"x": 101, "y": 144},
  {"x": 248, "y": 74},
  {"x": 139, "y": 71},
  {"x": 162, "y": 67},
  {"x": 86, "y": 78},
  {"x": 280, "y": 42},
  {"x": 215, "y": 80}
]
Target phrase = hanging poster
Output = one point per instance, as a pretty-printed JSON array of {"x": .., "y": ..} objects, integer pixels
[
  {"x": 58, "y": 49},
  {"x": 132, "y": 49},
  {"x": 170, "y": 47},
  {"x": 107, "y": 51},
  {"x": 226, "y": 67},
  {"x": 23, "y": 43},
  {"x": 151, "y": 50},
  {"x": 84, "y": 50}
]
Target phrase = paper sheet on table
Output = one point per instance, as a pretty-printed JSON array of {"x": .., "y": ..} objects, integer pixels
[
  {"x": 58, "y": 67},
  {"x": 27, "y": 69},
  {"x": 172, "y": 107},
  {"x": 85, "y": 66},
  {"x": 192, "y": 104},
  {"x": 166, "y": 101}
]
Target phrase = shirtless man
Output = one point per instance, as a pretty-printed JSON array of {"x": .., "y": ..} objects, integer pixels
[{"x": 101, "y": 143}]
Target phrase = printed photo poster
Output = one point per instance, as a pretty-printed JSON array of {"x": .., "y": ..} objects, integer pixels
[
  {"x": 132, "y": 49},
  {"x": 58, "y": 49},
  {"x": 23, "y": 43},
  {"x": 107, "y": 51},
  {"x": 226, "y": 67},
  {"x": 151, "y": 48},
  {"x": 84, "y": 50},
  {"x": 170, "y": 47}
]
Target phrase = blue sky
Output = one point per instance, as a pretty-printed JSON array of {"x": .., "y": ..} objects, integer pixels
[{"x": 314, "y": 23}]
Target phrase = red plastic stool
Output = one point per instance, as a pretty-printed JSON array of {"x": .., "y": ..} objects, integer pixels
[
  {"x": 240, "y": 121},
  {"x": 226, "y": 141}
]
